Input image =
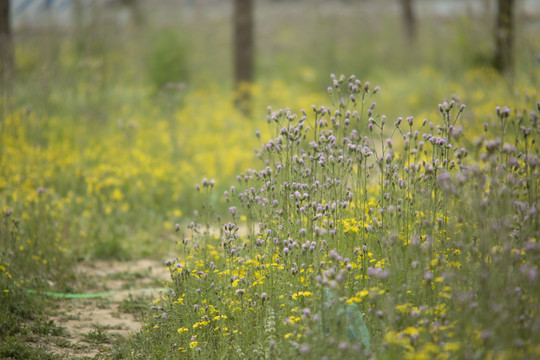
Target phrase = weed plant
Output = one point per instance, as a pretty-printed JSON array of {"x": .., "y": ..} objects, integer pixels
[{"x": 410, "y": 238}]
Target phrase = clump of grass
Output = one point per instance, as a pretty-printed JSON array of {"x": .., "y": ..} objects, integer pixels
[
  {"x": 364, "y": 236},
  {"x": 14, "y": 350},
  {"x": 47, "y": 328},
  {"x": 97, "y": 336},
  {"x": 136, "y": 305}
]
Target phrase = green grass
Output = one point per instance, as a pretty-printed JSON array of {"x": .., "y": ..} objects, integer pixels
[
  {"x": 44, "y": 328},
  {"x": 97, "y": 336},
  {"x": 11, "y": 349},
  {"x": 136, "y": 305}
]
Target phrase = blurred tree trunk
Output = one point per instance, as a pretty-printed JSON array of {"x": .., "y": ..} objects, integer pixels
[
  {"x": 409, "y": 19},
  {"x": 243, "y": 51},
  {"x": 504, "y": 36},
  {"x": 6, "y": 45}
]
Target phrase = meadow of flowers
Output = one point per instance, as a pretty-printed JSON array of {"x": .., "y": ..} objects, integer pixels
[
  {"x": 85, "y": 177},
  {"x": 411, "y": 238},
  {"x": 352, "y": 235},
  {"x": 369, "y": 222}
]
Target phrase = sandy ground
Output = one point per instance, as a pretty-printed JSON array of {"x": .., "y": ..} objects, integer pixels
[{"x": 92, "y": 325}]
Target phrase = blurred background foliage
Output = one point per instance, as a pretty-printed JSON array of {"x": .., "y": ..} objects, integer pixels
[{"x": 118, "y": 108}]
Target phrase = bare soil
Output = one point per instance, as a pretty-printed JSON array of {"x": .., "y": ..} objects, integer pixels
[{"x": 90, "y": 326}]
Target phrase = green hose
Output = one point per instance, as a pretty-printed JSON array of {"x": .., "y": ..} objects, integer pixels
[{"x": 91, "y": 295}]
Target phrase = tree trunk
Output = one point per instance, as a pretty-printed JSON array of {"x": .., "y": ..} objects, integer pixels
[
  {"x": 409, "y": 19},
  {"x": 6, "y": 45},
  {"x": 504, "y": 36},
  {"x": 243, "y": 51}
]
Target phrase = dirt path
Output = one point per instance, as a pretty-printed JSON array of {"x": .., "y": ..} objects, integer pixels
[{"x": 90, "y": 326}]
